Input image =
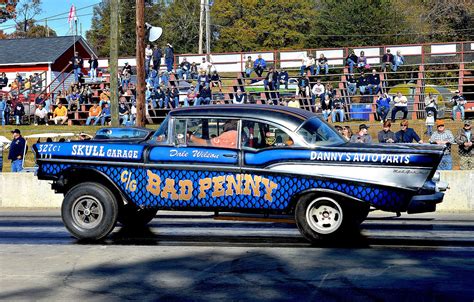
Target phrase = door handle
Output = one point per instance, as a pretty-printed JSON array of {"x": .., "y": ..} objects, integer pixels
[{"x": 230, "y": 155}]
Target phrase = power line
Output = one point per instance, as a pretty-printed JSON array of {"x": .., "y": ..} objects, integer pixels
[{"x": 54, "y": 19}]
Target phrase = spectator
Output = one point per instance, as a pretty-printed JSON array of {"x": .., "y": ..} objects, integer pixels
[
  {"x": 326, "y": 107},
  {"x": 17, "y": 150},
  {"x": 401, "y": 104},
  {"x": 407, "y": 135},
  {"x": 104, "y": 115},
  {"x": 362, "y": 136},
  {"x": 458, "y": 103},
  {"x": 26, "y": 88},
  {"x": 205, "y": 96},
  {"x": 194, "y": 71},
  {"x": 387, "y": 59},
  {"x": 86, "y": 95},
  {"x": 362, "y": 83},
  {"x": 283, "y": 79},
  {"x": 259, "y": 66},
  {"x": 398, "y": 60},
  {"x": 15, "y": 88},
  {"x": 164, "y": 79},
  {"x": 94, "y": 114},
  {"x": 339, "y": 129},
  {"x": 443, "y": 137},
  {"x": 330, "y": 90},
  {"x": 19, "y": 79},
  {"x": 169, "y": 57},
  {"x": 303, "y": 86},
  {"x": 93, "y": 65},
  {"x": 270, "y": 79},
  {"x": 351, "y": 61},
  {"x": 383, "y": 106},
  {"x": 386, "y": 135},
  {"x": 205, "y": 66},
  {"x": 149, "y": 94},
  {"x": 76, "y": 62},
  {"x": 184, "y": 70},
  {"x": 3, "y": 81},
  {"x": 203, "y": 80},
  {"x": 465, "y": 141},
  {"x": 322, "y": 63},
  {"x": 307, "y": 64},
  {"x": 124, "y": 112},
  {"x": 172, "y": 97},
  {"x": 429, "y": 122},
  {"x": 157, "y": 54},
  {"x": 40, "y": 101},
  {"x": 133, "y": 114},
  {"x": 248, "y": 66},
  {"x": 293, "y": 103},
  {"x": 60, "y": 114},
  {"x": 239, "y": 97},
  {"x": 317, "y": 92},
  {"x": 362, "y": 62},
  {"x": 41, "y": 115},
  {"x": 148, "y": 56},
  {"x": 7, "y": 112},
  {"x": 3, "y": 108},
  {"x": 35, "y": 83},
  {"x": 125, "y": 77},
  {"x": 216, "y": 80},
  {"x": 19, "y": 112},
  {"x": 347, "y": 132},
  {"x": 431, "y": 106},
  {"x": 127, "y": 67},
  {"x": 160, "y": 96},
  {"x": 73, "y": 100},
  {"x": 338, "y": 105},
  {"x": 351, "y": 84},
  {"x": 104, "y": 97},
  {"x": 190, "y": 96},
  {"x": 374, "y": 83}
]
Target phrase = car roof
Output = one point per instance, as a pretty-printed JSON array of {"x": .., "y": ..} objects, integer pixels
[{"x": 288, "y": 117}]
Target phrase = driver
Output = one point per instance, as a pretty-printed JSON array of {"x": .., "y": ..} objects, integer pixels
[{"x": 228, "y": 139}]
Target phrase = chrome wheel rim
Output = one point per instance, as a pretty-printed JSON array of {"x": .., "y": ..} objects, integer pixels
[
  {"x": 324, "y": 215},
  {"x": 87, "y": 212}
]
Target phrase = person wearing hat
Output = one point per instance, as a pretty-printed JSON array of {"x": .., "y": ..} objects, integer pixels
[
  {"x": 17, "y": 149},
  {"x": 407, "y": 135},
  {"x": 362, "y": 136},
  {"x": 445, "y": 138},
  {"x": 465, "y": 141},
  {"x": 458, "y": 102}
]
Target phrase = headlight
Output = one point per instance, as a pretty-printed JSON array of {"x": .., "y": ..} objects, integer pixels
[{"x": 436, "y": 177}]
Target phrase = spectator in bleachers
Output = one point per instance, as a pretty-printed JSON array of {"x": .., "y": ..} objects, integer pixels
[
  {"x": 86, "y": 95},
  {"x": 148, "y": 56},
  {"x": 19, "y": 112},
  {"x": 172, "y": 97},
  {"x": 104, "y": 115},
  {"x": 17, "y": 149},
  {"x": 26, "y": 88},
  {"x": 157, "y": 54},
  {"x": 104, "y": 97},
  {"x": 429, "y": 122},
  {"x": 93, "y": 65},
  {"x": 36, "y": 83},
  {"x": 126, "y": 67},
  {"x": 383, "y": 106},
  {"x": 351, "y": 84},
  {"x": 149, "y": 94},
  {"x": 407, "y": 135},
  {"x": 125, "y": 78},
  {"x": 374, "y": 83},
  {"x": 159, "y": 96},
  {"x": 322, "y": 63},
  {"x": 205, "y": 66},
  {"x": 351, "y": 61},
  {"x": 19, "y": 79},
  {"x": 387, "y": 59},
  {"x": 283, "y": 79},
  {"x": 124, "y": 111},
  {"x": 73, "y": 100},
  {"x": 307, "y": 64},
  {"x": 338, "y": 105},
  {"x": 270, "y": 79},
  {"x": 386, "y": 135},
  {"x": 363, "y": 83},
  {"x": 60, "y": 114},
  {"x": 216, "y": 80},
  {"x": 133, "y": 114},
  {"x": 303, "y": 86},
  {"x": 259, "y": 66},
  {"x": 76, "y": 62},
  {"x": 194, "y": 71},
  {"x": 362, "y": 64},
  {"x": 347, "y": 132},
  {"x": 465, "y": 141},
  {"x": 317, "y": 93},
  {"x": 205, "y": 96},
  {"x": 184, "y": 70},
  {"x": 40, "y": 101},
  {"x": 239, "y": 97},
  {"x": 362, "y": 136},
  {"x": 169, "y": 57},
  {"x": 326, "y": 107},
  {"x": 401, "y": 104},
  {"x": 398, "y": 60},
  {"x": 248, "y": 66},
  {"x": 15, "y": 88},
  {"x": 190, "y": 96},
  {"x": 458, "y": 103},
  {"x": 94, "y": 114},
  {"x": 203, "y": 80},
  {"x": 41, "y": 115},
  {"x": 164, "y": 78},
  {"x": 3, "y": 81},
  {"x": 330, "y": 90},
  {"x": 431, "y": 105},
  {"x": 443, "y": 137},
  {"x": 3, "y": 108}
]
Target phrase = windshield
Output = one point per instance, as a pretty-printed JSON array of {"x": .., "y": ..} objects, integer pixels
[{"x": 318, "y": 133}]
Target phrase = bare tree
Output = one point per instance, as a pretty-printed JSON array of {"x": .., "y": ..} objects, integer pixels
[{"x": 26, "y": 10}]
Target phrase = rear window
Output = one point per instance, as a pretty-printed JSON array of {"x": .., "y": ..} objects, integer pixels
[{"x": 318, "y": 133}]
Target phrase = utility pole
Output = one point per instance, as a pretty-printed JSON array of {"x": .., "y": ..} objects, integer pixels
[
  {"x": 113, "y": 64},
  {"x": 201, "y": 25},
  {"x": 46, "y": 27},
  {"x": 208, "y": 29},
  {"x": 140, "y": 57}
]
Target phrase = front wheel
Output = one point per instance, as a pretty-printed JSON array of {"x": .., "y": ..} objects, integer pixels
[{"x": 89, "y": 211}]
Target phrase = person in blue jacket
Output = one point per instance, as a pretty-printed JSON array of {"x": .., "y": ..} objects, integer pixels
[
  {"x": 259, "y": 66},
  {"x": 383, "y": 106},
  {"x": 17, "y": 150}
]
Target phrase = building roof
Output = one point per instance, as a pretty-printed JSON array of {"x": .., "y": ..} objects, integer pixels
[{"x": 37, "y": 50}]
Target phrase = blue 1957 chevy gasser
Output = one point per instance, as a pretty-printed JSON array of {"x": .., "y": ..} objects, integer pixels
[{"x": 246, "y": 158}]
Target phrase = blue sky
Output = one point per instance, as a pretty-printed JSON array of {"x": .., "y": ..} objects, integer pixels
[{"x": 55, "y": 7}]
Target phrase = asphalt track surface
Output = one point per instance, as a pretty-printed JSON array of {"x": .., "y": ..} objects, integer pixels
[{"x": 194, "y": 257}]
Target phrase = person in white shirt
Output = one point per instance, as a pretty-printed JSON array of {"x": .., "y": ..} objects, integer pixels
[
  {"x": 41, "y": 115},
  {"x": 401, "y": 104},
  {"x": 205, "y": 66},
  {"x": 317, "y": 92},
  {"x": 307, "y": 64},
  {"x": 240, "y": 98},
  {"x": 148, "y": 56}
]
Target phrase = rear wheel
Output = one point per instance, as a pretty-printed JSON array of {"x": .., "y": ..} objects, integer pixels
[
  {"x": 89, "y": 211},
  {"x": 134, "y": 217}
]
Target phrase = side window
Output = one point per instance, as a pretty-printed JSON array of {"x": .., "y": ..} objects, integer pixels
[
  {"x": 161, "y": 135},
  {"x": 257, "y": 135},
  {"x": 208, "y": 132},
  {"x": 180, "y": 132}
]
